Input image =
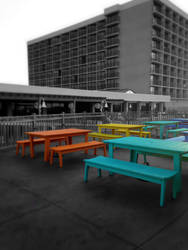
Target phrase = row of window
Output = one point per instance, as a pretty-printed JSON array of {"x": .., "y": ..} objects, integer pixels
[
  {"x": 110, "y": 73},
  {"x": 66, "y": 51},
  {"x": 169, "y": 59},
  {"x": 167, "y": 81},
  {"x": 84, "y": 59},
  {"x": 168, "y": 70},
  {"x": 75, "y": 40},
  {"x": 170, "y": 39},
  {"x": 169, "y": 13},
  {"x": 95, "y": 85},
  {"x": 175, "y": 94},
  {"x": 173, "y": 39},
  {"x": 101, "y": 65},
  {"x": 167, "y": 25},
  {"x": 170, "y": 49}
]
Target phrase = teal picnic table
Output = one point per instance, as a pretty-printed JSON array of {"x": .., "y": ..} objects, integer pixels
[
  {"x": 155, "y": 146},
  {"x": 162, "y": 125}
]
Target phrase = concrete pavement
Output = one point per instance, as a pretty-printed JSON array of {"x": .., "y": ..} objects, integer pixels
[{"x": 43, "y": 207}]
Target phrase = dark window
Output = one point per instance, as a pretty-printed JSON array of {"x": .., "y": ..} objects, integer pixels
[{"x": 83, "y": 59}]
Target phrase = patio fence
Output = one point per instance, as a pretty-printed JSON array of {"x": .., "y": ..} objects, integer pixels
[{"x": 14, "y": 128}]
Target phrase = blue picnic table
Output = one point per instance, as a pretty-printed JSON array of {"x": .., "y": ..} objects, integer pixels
[
  {"x": 185, "y": 133},
  {"x": 155, "y": 146},
  {"x": 162, "y": 125},
  {"x": 183, "y": 122}
]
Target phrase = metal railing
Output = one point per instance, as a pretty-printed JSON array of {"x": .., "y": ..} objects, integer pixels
[
  {"x": 14, "y": 128},
  {"x": 134, "y": 117}
]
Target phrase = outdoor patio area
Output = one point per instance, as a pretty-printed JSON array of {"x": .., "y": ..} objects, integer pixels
[{"x": 45, "y": 207}]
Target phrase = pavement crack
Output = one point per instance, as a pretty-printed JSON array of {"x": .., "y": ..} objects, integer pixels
[
  {"x": 163, "y": 228},
  {"x": 96, "y": 226},
  {"x": 2, "y": 223}
]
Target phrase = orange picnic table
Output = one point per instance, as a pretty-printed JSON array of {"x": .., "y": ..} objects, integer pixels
[{"x": 49, "y": 134}]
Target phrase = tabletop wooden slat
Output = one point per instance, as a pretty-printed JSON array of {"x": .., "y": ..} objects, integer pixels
[
  {"x": 162, "y": 122},
  {"x": 149, "y": 143},
  {"x": 118, "y": 125},
  {"x": 50, "y": 133}
]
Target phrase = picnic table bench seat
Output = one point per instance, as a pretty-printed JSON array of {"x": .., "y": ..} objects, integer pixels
[
  {"x": 146, "y": 128},
  {"x": 140, "y": 133},
  {"x": 103, "y": 136},
  {"x": 60, "y": 150},
  {"x": 175, "y": 131},
  {"x": 26, "y": 143},
  {"x": 135, "y": 132},
  {"x": 132, "y": 169}
]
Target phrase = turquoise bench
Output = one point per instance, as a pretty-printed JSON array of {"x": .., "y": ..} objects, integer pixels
[
  {"x": 132, "y": 169},
  {"x": 175, "y": 131}
]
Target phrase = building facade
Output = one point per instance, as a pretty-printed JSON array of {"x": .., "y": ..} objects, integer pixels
[{"x": 140, "y": 46}]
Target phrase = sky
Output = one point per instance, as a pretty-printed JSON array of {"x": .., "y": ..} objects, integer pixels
[{"x": 24, "y": 20}]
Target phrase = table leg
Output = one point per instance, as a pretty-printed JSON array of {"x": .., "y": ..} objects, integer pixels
[
  {"x": 111, "y": 154},
  {"x": 46, "y": 149},
  {"x": 161, "y": 131},
  {"x": 111, "y": 150},
  {"x": 127, "y": 132},
  {"x": 70, "y": 139},
  {"x": 31, "y": 146},
  {"x": 177, "y": 184},
  {"x": 186, "y": 137},
  {"x": 133, "y": 155}
]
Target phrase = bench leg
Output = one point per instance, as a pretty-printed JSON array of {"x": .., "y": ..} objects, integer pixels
[
  {"x": 174, "y": 194},
  {"x": 99, "y": 172},
  {"x": 145, "y": 159},
  {"x": 95, "y": 151},
  {"x": 175, "y": 188},
  {"x": 23, "y": 150},
  {"x": 133, "y": 156},
  {"x": 86, "y": 173},
  {"x": 162, "y": 196},
  {"x": 17, "y": 148},
  {"x": 70, "y": 139},
  {"x": 105, "y": 154},
  {"x": 60, "y": 160},
  {"x": 167, "y": 134},
  {"x": 66, "y": 141},
  {"x": 51, "y": 157}
]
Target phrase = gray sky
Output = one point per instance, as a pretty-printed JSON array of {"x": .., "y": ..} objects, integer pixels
[{"x": 23, "y": 20}]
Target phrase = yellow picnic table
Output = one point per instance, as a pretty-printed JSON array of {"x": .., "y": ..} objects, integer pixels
[{"x": 114, "y": 126}]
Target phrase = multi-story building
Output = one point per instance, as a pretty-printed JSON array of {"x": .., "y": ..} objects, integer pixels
[{"x": 140, "y": 46}]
